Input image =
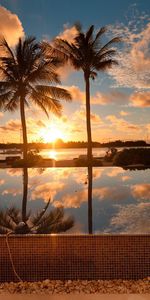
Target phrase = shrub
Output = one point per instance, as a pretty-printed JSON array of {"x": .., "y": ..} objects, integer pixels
[{"x": 132, "y": 156}]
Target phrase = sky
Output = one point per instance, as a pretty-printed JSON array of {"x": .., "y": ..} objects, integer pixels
[{"x": 120, "y": 98}]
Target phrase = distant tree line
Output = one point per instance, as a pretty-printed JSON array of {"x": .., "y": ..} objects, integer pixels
[{"x": 75, "y": 144}]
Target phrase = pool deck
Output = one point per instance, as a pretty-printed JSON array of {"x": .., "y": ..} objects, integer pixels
[{"x": 76, "y": 297}]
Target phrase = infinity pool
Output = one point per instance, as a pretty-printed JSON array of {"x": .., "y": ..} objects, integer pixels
[{"x": 120, "y": 199}]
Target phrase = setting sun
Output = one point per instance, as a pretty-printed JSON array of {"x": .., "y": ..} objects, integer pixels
[{"x": 51, "y": 134}]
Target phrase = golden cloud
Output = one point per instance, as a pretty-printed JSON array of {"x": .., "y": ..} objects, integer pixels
[
  {"x": 115, "y": 172},
  {"x": 68, "y": 34},
  {"x": 10, "y": 25},
  {"x": 112, "y": 97},
  {"x": 121, "y": 124},
  {"x": 141, "y": 191},
  {"x": 2, "y": 181},
  {"x": 11, "y": 125},
  {"x": 125, "y": 178},
  {"x": 47, "y": 190},
  {"x": 140, "y": 99},
  {"x": 14, "y": 172},
  {"x": 13, "y": 191},
  {"x": 72, "y": 200},
  {"x": 124, "y": 113}
]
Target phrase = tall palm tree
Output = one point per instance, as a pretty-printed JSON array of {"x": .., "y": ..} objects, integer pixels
[
  {"x": 26, "y": 76},
  {"x": 87, "y": 53}
]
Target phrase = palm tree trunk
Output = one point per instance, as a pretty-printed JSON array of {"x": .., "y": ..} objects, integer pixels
[
  {"x": 25, "y": 193},
  {"x": 90, "y": 221},
  {"x": 88, "y": 121},
  {"x": 89, "y": 153},
  {"x": 24, "y": 129}
]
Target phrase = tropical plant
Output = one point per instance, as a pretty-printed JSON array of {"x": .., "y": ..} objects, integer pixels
[
  {"x": 26, "y": 76},
  {"x": 39, "y": 223},
  {"x": 87, "y": 53}
]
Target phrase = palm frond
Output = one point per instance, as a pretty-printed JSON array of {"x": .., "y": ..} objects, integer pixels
[
  {"x": 106, "y": 64},
  {"x": 54, "y": 92},
  {"x": 55, "y": 222},
  {"x": 37, "y": 218},
  {"x": 6, "y": 49}
]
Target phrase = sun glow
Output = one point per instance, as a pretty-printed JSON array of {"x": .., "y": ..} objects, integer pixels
[
  {"x": 53, "y": 154},
  {"x": 51, "y": 134}
]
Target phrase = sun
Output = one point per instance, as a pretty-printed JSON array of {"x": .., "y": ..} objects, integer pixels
[{"x": 51, "y": 133}]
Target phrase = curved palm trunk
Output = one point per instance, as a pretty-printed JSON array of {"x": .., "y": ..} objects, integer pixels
[
  {"x": 88, "y": 121},
  {"x": 90, "y": 221},
  {"x": 25, "y": 193},
  {"x": 24, "y": 129}
]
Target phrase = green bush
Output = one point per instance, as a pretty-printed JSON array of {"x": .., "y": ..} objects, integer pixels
[{"x": 132, "y": 156}]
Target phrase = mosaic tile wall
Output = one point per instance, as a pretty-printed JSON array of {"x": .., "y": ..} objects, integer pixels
[{"x": 76, "y": 257}]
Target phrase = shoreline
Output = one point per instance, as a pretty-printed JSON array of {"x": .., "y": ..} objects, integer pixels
[{"x": 49, "y": 163}]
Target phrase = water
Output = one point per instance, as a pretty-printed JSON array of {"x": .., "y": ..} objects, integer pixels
[
  {"x": 120, "y": 204},
  {"x": 60, "y": 154}
]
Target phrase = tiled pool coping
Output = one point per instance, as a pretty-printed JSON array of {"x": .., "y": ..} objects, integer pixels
[{"x": 38, "y": 257}]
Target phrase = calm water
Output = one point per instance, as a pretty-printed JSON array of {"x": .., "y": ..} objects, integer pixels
[
  {"x": 60, "y": 154},
  {"x": 121, "y": 199}
]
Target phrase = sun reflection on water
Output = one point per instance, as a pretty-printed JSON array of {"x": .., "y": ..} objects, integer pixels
[{"x": 52, "y": 154}]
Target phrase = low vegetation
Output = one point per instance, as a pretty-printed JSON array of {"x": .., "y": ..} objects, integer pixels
[{"x": 132, "y": 157}]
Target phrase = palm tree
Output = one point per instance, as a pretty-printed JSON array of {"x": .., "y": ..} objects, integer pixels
[
  {"x": 88, "y": 54},
  {"x": 26, "y": 76},
  {"x": 40, "y": 223}
]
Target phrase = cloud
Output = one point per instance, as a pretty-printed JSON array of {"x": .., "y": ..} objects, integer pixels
[
  {"x": 81, "y": 115},
  {"x": 141, "y": 191},
  {"x": 112, "y": 97},
  {"x": 140, "y": 99},
  {"x": 132, "y": 219},
  {"x": 110, "y": 193},
  {"x": 11, "y": 125},
  {"x": 133, "y": 58},
  {"x": 11, "y": 26},
  {"x": 126, "y": 178},
  {"x": 115, "y": 172},
  {"x": 13, "y": 191},
  {"x": 122, "y": 125},
  {"x": 47, "y": 190},
  {"x": 68, "y": 34},
  {"x": 2, "y": 181},
  {"x": 72, "y": 200},
  {"x": 1, "y": 114},
  {"x": 124, "y": 113},
  {"x": 14, "y": 172}
]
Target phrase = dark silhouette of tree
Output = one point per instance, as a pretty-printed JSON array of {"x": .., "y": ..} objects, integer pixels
[
  {"x": 90, "y": 214},
  {"x": 25, "y": 194},
  {"x": 26, "y": 76},
  {"x": 87, "y": 53},
  {"x": 42, "y": 222}
]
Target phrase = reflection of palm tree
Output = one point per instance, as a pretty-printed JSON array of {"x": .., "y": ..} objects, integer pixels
[
  {"x": 15, "y": 221},
  {"x": 25, "y": 74},
  {"x": 42, "y": 222},
  {"x": 90, "y": 181},
  {"x": 25, "y": 194},
  {"x": 88, "y": 54}
]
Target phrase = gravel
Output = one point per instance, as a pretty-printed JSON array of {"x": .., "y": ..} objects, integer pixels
[{"x": 78, "y": 286}]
